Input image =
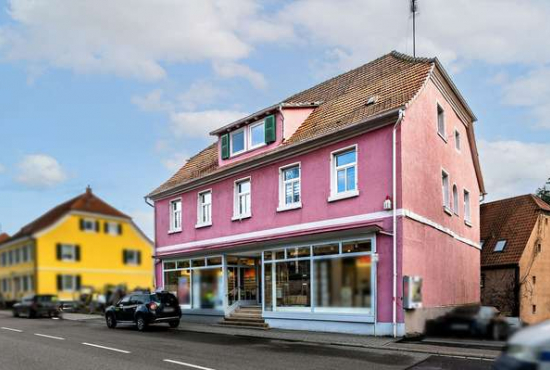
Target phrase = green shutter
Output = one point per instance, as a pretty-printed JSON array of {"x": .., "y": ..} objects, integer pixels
[
  {"x": 225, "y": 146},
  {"x": 270, "y": 129}
]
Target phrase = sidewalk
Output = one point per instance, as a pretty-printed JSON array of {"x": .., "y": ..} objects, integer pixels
[{"x": 348, "y": 340}]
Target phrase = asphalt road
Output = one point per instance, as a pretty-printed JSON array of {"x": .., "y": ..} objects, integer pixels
[{"x": 61, "y": 344}]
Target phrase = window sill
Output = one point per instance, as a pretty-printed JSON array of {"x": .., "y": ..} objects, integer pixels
[
  {"x": 468, "y": 223},
  {"x": 447, "y": 210},
  {"x": 200, "y": 226},
  {"x": 289, "y": 207},
  {"x": 240, "y": 217},
  {"x": 442, "y": 137},
  {"x": 248, "y": 150},
  {"x": 174, "y": 231},
  {"x": 340, "y": 196}
]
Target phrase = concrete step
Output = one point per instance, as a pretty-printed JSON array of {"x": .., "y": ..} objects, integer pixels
[
  {"x": 259, "y": 325},
  {"x": 244, "y": 319}
]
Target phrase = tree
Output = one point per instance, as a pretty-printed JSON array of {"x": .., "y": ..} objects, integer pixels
[{"x": 544, "y": 192}]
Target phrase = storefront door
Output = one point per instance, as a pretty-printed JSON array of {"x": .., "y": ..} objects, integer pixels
[{"x": 243, "y": 281}]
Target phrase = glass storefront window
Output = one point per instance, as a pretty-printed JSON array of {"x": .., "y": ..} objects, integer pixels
[
  {"x": 179, "y": 284},
  {"x": 198, "y": 262},
  {"x": 268, "y": 296},
  {"x": 280, "y": 255},
  {"x": 268, "y": 256},
  {"x": 169, "y": 265},
  {"x": 343, "y": 283},
  {"x": 183, "y": 264},
  {"x": 207, "y": 288},
  {"x": 323, "y": 250},
  {"x": 293, "y": 284},
  {"x": 214, "y": 261},
  {"x": 297, "y": 252},
  {"x": 357, "y": 247}
]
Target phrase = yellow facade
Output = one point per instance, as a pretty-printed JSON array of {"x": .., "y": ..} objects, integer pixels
[
  {"x": 68, "y": 259},
  {"x": 17, "y": 269}
]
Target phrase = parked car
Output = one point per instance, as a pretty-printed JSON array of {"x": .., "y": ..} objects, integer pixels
[
  {"x": 143, "y": 309},
  {"x": 471, "y": 320},
  {"x": 528, "y": 349},
  {"x": 37, "y": 306}
]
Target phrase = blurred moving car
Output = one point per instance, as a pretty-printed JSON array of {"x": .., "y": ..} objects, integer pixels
[
  {"x": 143, "y": 309},
  {"x": 471, "y": 320},
  {"x": 527, "y": 349},
  {"x": 36, "y": 306}
]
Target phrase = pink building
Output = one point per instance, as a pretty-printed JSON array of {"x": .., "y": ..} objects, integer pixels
[{"x": 352, "y": 206}]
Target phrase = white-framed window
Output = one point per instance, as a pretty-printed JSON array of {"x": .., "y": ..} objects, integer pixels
[
  {"x": 175, "y": 215},
  {"x": 467, "y": 214},
  {"x": 67, "y": 252},
  {"x": 499, "y": 247},
  {"x": 441, "y": 122},
  {"x": 112, "y": 228},
  {"x": 446, "y": 191},
  {"x": 5, "y": 285},
  {"x": 4, "y": 258},
  {"x": 238, "y": 141},
  {"x": 290, "y": 187},
  {"x": 204, "y": 208},
  {"x": 455, "y": 199},
  {"x": 88, "y": 224},
  {"x": 243, "y": 199},
  {"x": 344, "y": 173},
  {"x": 257, "y": 135},
  {"x": 68, "y": 283},
  {"x": 458, "y": 144},
  {"x": 131, "y": 257}
]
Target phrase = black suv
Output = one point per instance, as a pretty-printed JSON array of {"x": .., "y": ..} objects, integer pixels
[
  {"x": 37, "y": 305},
  {"x": 143, "y": 309}
]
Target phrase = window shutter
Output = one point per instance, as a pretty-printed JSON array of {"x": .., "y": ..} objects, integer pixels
[
  {"x": 81, "y": 224},
  {"x": 78, "y": 282},
  {"x": 225, "y": 146},
  {"x": 97, "y": 226},
  {"x": 59, "y": 282},
  {"x": 139, "y": 257},
  {"x": 119, "y": 229},
  {"x": 77, "y": 252},
  {"x": 105, "y": 227},
  {"x": 270, "y": 130},
  {"x": 124, "y": 257},
  {"x": 58, "y": 246}
]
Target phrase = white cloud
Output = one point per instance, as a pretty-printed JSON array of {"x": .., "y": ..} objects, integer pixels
[
  {"x": 152, "y": 102},
  {"x": 231, "y": 69},
  {"x": 513, "y": 167},
  {"x": 198, "y": 94},
  {"x": 145, "y": 220},
  {"x": 199, "y": 124},
  {"x": 175, "y": 162},
  {"x": 40, "y": 171},
  {"x": 134, "y": 38}
]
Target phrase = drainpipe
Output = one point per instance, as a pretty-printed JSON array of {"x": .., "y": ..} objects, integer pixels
[
  {"x": 394, "y": 240},
  {"x": 282, "y": 121},
  {"x": 155, "y": 285}
]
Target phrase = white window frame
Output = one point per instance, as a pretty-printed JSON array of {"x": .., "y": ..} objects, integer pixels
[
  {"x": 458, "y": 140},
  {"x": 282, "y": 196},
  {"x": 86, "y": 222},
  {"x": 72, "y": 253},
  {"x": 503, "y": 243},
  {"x": 443, "y": 134},
  {"x": 200, "y": 205},
  {"x": 446, "y": 197},
  {"x": 245, "y": 141},
  {"x": 64, "y": 281},
  {"x": 173, "y": 216},
  {"x": 334, "y": 195},
  {"x": 112, "y": 228},
  {"x": 250, "y": 127},
  {"x": 456, "y": 203},
  {"x": 467, "y": 207},
  {"x": 132, "y": 257},
  {"x": 236, "y": 200}
]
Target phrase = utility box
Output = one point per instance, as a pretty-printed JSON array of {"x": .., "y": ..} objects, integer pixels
[{"x": 412, "y": 292}]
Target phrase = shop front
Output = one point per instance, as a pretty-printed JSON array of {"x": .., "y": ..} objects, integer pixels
[{"x": 325, "y": 285}]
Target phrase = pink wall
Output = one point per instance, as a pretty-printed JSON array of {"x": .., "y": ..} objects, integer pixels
[
  {"x": 293, "y": 118},
  {"x": 450, "y": 268},
  {"x": 374, "y": 177}
]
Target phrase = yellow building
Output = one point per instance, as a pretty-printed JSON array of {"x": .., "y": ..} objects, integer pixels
[{"x": 80, "y": 244}]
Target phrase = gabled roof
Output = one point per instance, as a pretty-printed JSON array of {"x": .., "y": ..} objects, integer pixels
[
  {"x": 87, "y": 202},
  {"x": 340, "y": 102},
  {"x": 513, "y": 220},
  {"x": 4, "y": 237}
]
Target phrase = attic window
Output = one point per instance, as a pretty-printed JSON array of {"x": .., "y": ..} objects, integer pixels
[
  {"x": 372, "y": 100},
  {"x": 501, "y": 244}
]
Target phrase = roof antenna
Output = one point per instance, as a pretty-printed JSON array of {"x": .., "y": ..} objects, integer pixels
[{"x": 414, "y": 10}]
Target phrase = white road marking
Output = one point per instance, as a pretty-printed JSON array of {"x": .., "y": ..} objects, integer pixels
[
  {"x": 107, "y": 348},
  {"x": 10, "y": 329},
  {"x": 48, "y": 336},
  {"x": 188, "y": 365}
]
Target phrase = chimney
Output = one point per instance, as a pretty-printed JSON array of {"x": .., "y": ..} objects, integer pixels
[{"x": 88, "y": 190}]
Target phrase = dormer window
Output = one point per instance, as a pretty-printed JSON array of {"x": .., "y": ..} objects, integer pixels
[{"x": 249, "y": 137}]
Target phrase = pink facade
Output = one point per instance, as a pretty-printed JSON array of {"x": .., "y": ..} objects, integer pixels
[{"x": 441, "y": 248}]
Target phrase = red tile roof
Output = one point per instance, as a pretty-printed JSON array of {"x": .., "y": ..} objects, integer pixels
[
  {"x": 87, "y": 202},
  {"x": 4, "y": 237},
  {"x": 394, "y": 79},
  {"x": 513, "y": 220}
]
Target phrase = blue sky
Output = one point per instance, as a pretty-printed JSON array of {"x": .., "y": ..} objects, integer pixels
[{"x": 117, "y": 96}]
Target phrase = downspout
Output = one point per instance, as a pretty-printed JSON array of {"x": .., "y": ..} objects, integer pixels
[
  {"x": 146, "y": 199},
  {"x": 394, "y": 239},
  {"x": 282, "y": 122}
]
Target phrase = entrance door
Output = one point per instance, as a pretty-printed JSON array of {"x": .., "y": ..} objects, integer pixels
[{"x": 243, "y": 281}]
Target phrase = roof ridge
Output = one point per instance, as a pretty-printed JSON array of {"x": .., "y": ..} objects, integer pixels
[
  {"x": 410, "y": 58},
  {"x": 541, "y": 203},
  {"x": 506, "y": 199}
]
